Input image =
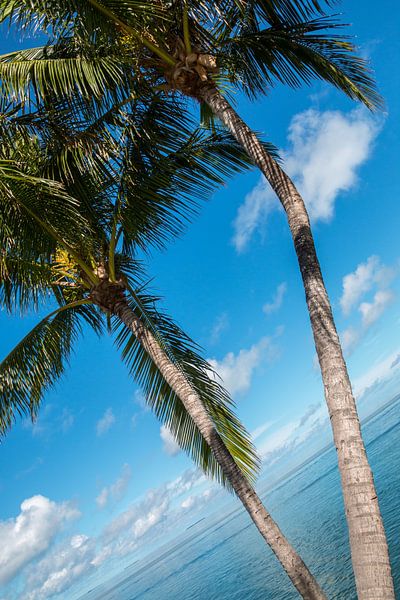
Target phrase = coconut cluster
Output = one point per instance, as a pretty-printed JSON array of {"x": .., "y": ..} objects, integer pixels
[{"x": 191, "y": 72}]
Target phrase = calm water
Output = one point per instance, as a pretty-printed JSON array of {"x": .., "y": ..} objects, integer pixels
[{"x": 229, "y": 561}]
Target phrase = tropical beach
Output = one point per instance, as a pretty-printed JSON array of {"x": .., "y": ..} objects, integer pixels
[{"x": 199, "y": 367}]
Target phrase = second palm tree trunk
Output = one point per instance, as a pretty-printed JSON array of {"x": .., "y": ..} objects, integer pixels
[
  {"x": 297, "y": 571},
  {"x": 369, "y": 550}
]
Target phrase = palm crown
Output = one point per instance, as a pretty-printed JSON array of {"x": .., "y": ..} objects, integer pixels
[
  {"x": 103, "y": 48},
  {"x": 63, "y": 242}
]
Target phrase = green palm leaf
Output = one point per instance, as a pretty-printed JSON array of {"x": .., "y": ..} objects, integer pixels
[
  {"x": 298, "y": 53},
  {"x": 167, "y": 406},
  {"x": 42, "y": 72},
  {"x": 24, "y": 283},
  {"x": 39, "y": 360}
]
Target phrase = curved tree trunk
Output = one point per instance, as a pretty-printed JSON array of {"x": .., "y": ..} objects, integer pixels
[
  {"x": 297, "y": 571},
  {"x": 369, "y": 550}
]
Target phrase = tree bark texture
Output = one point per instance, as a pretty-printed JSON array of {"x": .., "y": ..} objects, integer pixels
[
  {"x": 295, "y": 568},
  {"x": 369, "y": 550}
]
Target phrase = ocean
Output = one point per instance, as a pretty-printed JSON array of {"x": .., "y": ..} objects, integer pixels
[{"x": 227, "y": 560}]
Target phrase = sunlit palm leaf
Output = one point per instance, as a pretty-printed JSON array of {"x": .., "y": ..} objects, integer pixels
[
  {"x": 168, "y": 407},
  {"x": 36, "y": 72}
]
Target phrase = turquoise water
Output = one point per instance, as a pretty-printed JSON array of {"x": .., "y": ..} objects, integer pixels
[{"x": 229, "y": 560}]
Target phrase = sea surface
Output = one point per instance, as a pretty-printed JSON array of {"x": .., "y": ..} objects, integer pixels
[{"x": 227, "y": 560}]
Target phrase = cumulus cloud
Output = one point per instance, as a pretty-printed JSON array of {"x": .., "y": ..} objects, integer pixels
[
  {"x": 106, "y": 422},
  {"x": 325, "y": 151},
  {"x": 369, "y": 276},
  {"x": 270, "y": 307},
  {"x": 170, "y": 446},
  {"x": 153, "y": 513},
  {"x": 361, "y": 280},
  {"x": 198, "y": 501},
  {"x": 236, "y": 370},
  {"x": 371, "y": 311},
  {"x": 31, "y": 532},
  {"x": 327, "y": 148},
  {"x": 56, "y": 572},
  {"x": 115, "y": 491}
]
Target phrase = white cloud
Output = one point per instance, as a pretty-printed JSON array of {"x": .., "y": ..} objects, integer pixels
[
  {"x": 368, "y": 276},
  {"x": 379, "y": 372},
  {"x": 115, "y": 491},
  {"x": 357, "y": 283},
  {"x": 371, "y": 311},
  {"x": 258, "y": 432},
  {"x": 278, "y": 439},
  {"x": 277, "y": 300},
  {"x": 325, "y": 151},
  {"x": 292, "y": 434},
  {"x": 151, "y": 514},
  {"x": 236, "y": 370},
  {"x": 158, "y": 512},
  {"x": 349, "y": 339},
  {"x": 253, "y": 213},
  {"x": 198, "y": 501},
  {"x": 56, "y": 572},
  {"x": 140, "y": 400},
  {"x": 106, "y": 422},
  {"x": 170, "y": 446},
  {"x": 31, "y": 532}
]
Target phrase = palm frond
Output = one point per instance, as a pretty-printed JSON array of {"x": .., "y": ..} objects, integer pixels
[
  {"x": 37, "y": 206},
  {"x": 24, "y": 283},
  {"x": 39, "y": 73},
  {"x": 36, "y": 364},
  {"x": 298, "y": 53},
  {"x": 165, "y": 403}
]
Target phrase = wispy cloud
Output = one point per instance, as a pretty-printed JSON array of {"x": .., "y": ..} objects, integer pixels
[
  {"x": 106, "y": 422},
  {"x": 380, "y": 371},
  {"x": 236, "y": 370},
  {"x": 293, "y": 433},
  {"x": 35, "y": 465},
  {"x": 50, "y": 422},
  {"x": 270, "y": 307},
  {"x": 261, "y": 429},
  {"x": 116, "y": 490},
  {"x": 170, "y": 446},
  {"x": 253, "y": 213},
  {"x": 221, "y": 324},
  {"x": 325, "y": 152},
  {"x": 67, "y": 420}
]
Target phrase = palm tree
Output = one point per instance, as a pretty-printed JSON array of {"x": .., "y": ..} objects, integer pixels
[
  {"x": 85, "y": 262},
  {"x": 201, "y": 49}
]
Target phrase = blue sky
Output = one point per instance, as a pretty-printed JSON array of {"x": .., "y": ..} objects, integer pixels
[{"x": 96, "y": 480}]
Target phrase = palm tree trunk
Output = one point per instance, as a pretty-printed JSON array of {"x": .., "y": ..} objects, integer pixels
[
  {"x": 368, "y": 543},
  {"x": 297, "y": 571}
]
